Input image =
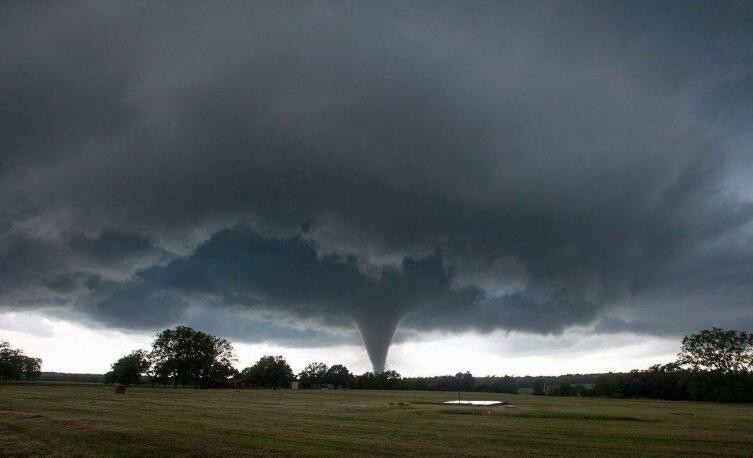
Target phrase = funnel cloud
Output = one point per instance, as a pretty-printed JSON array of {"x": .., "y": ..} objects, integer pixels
[
  {"x": 377, "y": 333},
  {"x": 321, "y": 174}
]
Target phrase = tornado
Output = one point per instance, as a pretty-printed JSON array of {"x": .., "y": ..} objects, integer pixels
[{"x": 377, "y": 331}]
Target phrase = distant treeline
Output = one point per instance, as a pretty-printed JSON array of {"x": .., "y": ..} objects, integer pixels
[
  {"x": 187, "y": 357},
  {"x": 70, "y": 378},
  {"x": 540, "y": 385},
  {"x": 713, "y": 365},
  {"x": 672, "y": 383}
]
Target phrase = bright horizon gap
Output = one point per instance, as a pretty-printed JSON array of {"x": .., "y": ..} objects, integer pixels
[{"x": 65, "y": 346}]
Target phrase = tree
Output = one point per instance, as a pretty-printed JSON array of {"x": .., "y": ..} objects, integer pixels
[
  {"x": 365, "y": 381},
  {"x": 388, "y": 380},
  {"x": 15, "y": 365},
  {"x": 313, "y": 375},
  {"x": 339, "y": 376},
  {"x": 187, "y": 356},
  {"x": 31, "y": 368},
  {"x": 463, "y": 382},
  {"x": 582, "y": 390},
  {"x": 717, "y": 350},
  {"x": 269, "y": 372},
  {"x": 608, "y": 385},
  {"x": 563, "y": 389},
  {"x": 129, "y": 368}
]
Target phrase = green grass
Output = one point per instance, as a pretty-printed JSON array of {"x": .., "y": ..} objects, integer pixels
[{"x": 64, "y": 420}]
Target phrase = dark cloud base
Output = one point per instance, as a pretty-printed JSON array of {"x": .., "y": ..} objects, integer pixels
[{"x": 315, "y": 169}]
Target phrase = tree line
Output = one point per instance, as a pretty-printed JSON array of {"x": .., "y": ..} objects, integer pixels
[
  {"x": 187, "y": 357},
  {"x": 713, "y": 365}
]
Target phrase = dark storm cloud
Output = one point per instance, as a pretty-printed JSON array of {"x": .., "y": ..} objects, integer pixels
[
  {"x": 36, "y": 271},
  {"x": 455, "y": 166},
  {"x": 239, "y": 268}
]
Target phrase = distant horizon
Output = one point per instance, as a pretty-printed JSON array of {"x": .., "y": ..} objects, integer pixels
[
  {"x": 430, "y": 187},
  {"x": 43, "y": 373},
  {"x": 354, "y": 356}
]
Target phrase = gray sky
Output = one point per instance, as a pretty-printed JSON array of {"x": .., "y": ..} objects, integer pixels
[{"x": 290, "y": 174}]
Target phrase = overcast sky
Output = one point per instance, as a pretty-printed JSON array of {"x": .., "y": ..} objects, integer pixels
[{"x": 506, "y": 187}]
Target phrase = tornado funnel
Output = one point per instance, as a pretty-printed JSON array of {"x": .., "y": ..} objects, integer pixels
[{"x": 377, "y": 332}]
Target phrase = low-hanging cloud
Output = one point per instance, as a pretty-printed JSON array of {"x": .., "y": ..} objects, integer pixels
[
  {"x": 238, "y": 268},
  {"x": 438, "y": 166}
]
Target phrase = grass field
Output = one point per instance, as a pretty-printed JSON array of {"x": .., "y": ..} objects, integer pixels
[{"x": 92, "y": 420}]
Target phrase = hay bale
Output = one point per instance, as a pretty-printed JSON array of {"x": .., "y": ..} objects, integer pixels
[{"x": 120, "y": 389}]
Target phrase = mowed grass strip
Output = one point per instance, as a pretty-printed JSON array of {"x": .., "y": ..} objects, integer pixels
[{"x": 91, "y": 420}]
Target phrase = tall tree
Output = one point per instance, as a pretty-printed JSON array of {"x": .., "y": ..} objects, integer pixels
[
  {"x": 314, "y": 375},
  {"x": 339, "y": 376},
  {"x": 186, "y": 356},
  {"x": 15, "y": 365},
  {"x": 129, "y": 368},
  {"x": 388, "y": 380},
  {"x": 269, "y": 372},
  {"x": 463, "y": 382},
  {"x": 717, "y": 350}
]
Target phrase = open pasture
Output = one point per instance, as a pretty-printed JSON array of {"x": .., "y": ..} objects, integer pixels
[{"x": 91, "y": 420}]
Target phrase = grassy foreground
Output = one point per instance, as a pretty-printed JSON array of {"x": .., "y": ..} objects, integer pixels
[{"x": 92, "y": 420}]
